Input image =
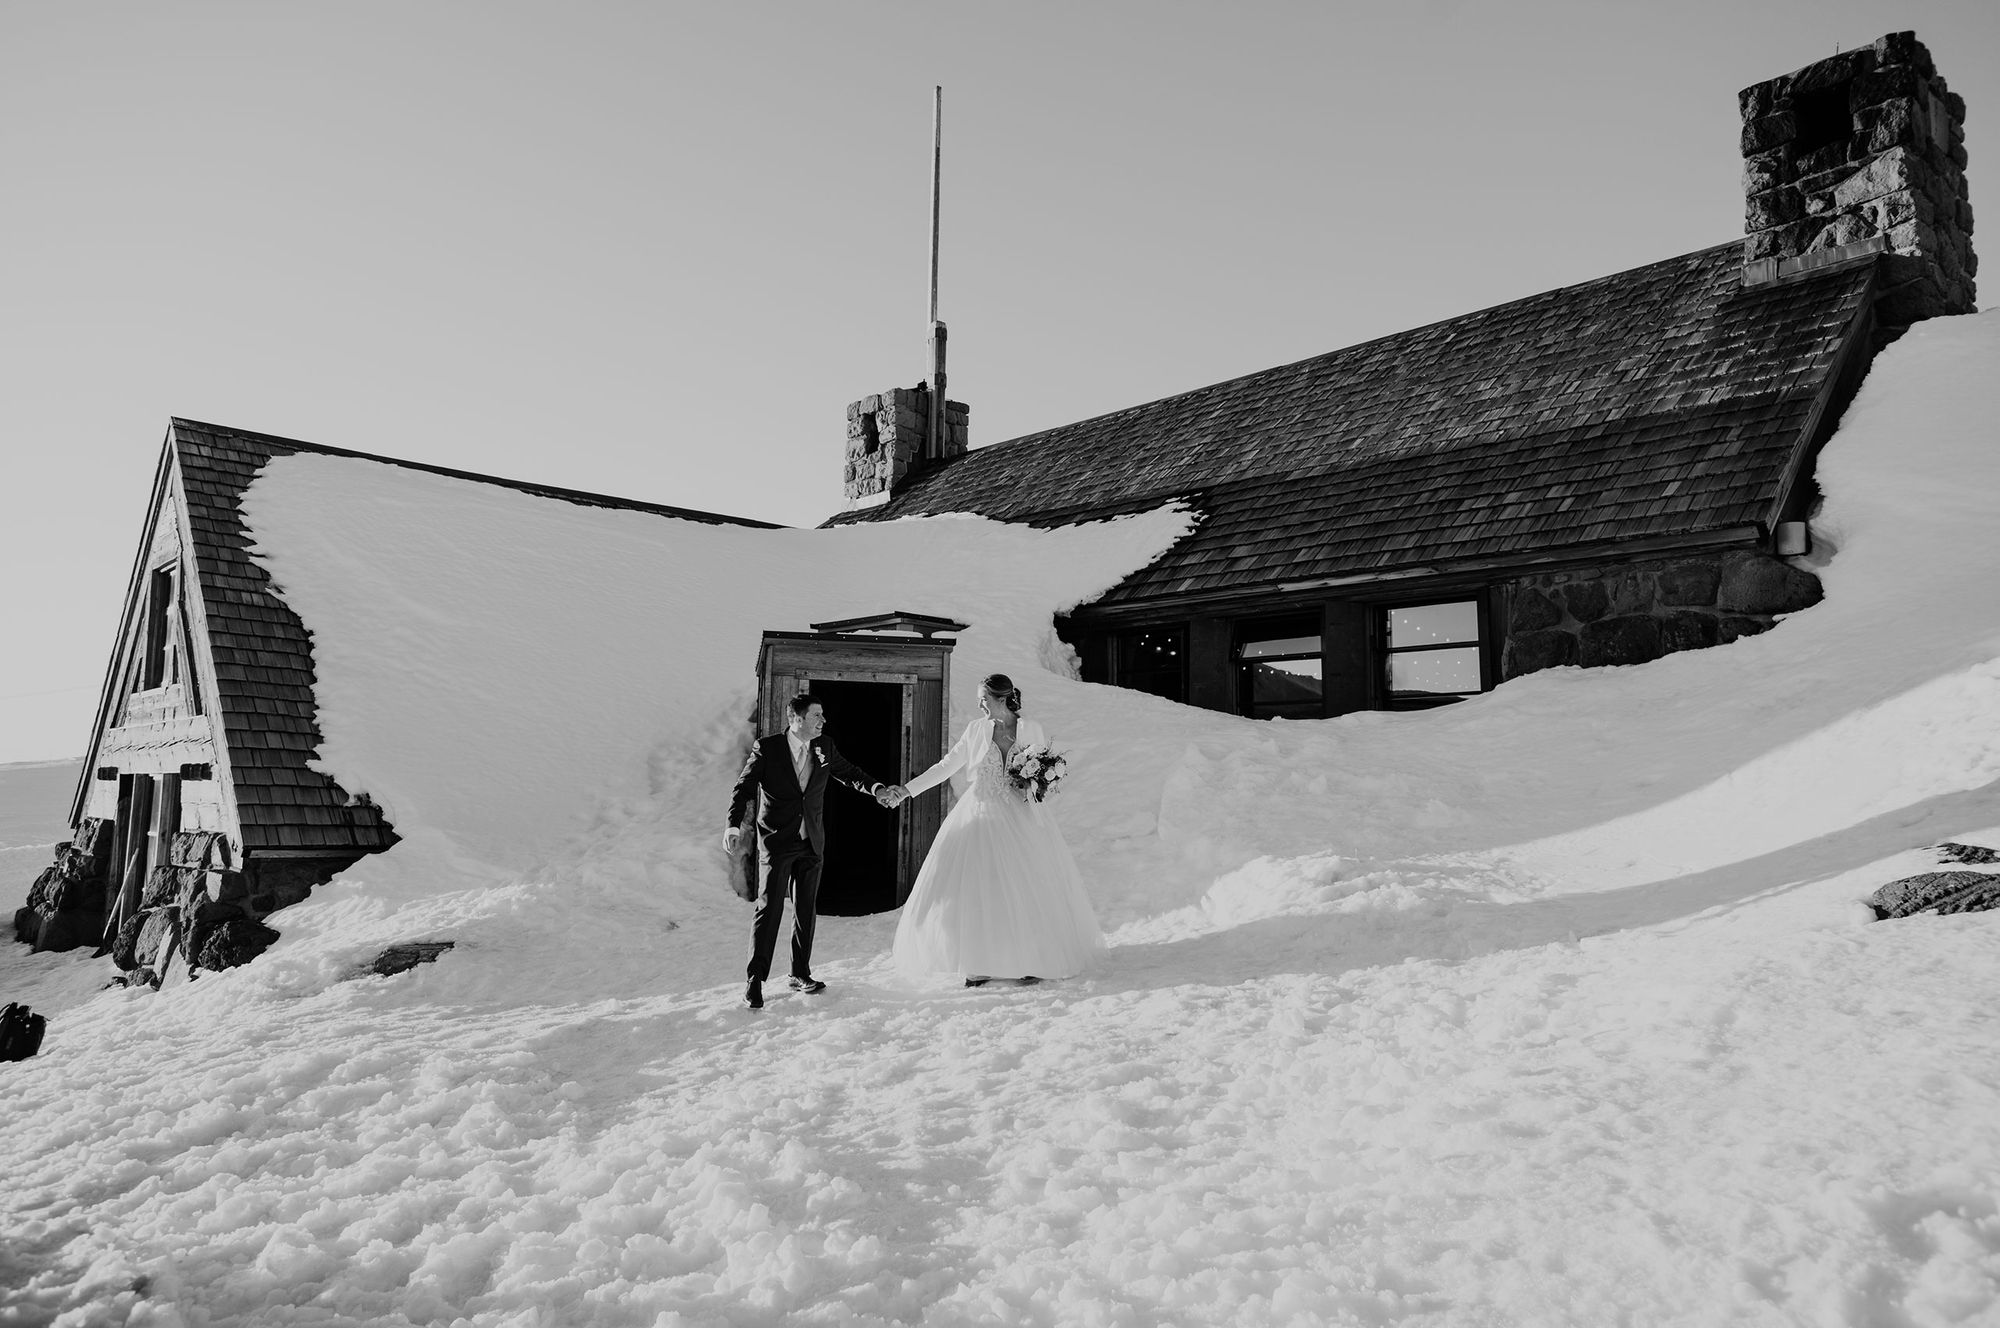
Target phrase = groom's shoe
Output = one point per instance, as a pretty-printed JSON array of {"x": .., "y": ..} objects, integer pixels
[
  {"x": 810, "y": 986},
  {"x": 753, "y": 995}
]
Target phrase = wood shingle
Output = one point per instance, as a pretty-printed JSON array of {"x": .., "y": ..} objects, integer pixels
[{"x": 1668, "y": 401}]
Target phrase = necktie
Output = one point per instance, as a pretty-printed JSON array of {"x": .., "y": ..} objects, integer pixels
[{"x": 802, "y": 764}]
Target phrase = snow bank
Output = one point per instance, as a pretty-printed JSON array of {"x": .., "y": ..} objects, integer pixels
[{"x": 1552, "y": 1007}]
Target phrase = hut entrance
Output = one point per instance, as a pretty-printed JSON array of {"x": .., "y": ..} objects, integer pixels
[
  {"x": 865, "y": 720},
  {"x": 885, "y": 683}
]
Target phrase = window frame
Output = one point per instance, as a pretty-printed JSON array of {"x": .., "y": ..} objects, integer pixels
[
  {"x": 158, "y": 666},
  {"x": 1121, "y": 650},
  {"x": 1480, "y": 645},
  {"x": 1303, "y": 625}
]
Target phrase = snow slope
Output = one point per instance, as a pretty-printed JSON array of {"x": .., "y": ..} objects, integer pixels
[{"x": 1554, "y": 1007}]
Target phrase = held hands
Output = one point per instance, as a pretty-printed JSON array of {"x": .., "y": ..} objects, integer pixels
[{"x": 891, "y": 795}]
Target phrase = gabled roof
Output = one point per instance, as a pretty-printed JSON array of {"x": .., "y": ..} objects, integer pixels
[
  {"x": 262, "y": 652},
  {"x": 1666, "y": 401}
]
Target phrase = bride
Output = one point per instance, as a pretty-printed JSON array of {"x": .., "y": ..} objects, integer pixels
[{"x": 999, "y": 895}]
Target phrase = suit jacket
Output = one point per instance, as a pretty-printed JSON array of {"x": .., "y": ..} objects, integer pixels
[{"x": 791, "y": 815}]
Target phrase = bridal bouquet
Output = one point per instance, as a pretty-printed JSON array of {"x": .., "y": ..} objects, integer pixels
[{"x": 1036, "y": 772}]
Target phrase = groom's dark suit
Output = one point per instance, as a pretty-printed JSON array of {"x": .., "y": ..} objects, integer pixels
[{"x": 791, "y": 840}]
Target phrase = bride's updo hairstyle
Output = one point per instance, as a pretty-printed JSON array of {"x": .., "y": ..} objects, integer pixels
[{"x": 1003, "y": 687}]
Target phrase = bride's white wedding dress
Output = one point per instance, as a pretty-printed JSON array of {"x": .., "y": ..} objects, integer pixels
[{"x": 999, "y": 894}]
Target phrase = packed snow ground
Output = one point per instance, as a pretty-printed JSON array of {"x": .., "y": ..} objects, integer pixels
[{"x": 1554, "y": 1007}]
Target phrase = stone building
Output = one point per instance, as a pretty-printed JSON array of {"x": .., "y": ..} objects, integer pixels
[{"x": 1600, "y": 474}]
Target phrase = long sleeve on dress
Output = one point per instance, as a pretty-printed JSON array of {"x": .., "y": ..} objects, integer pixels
[{"x": 954, "y": 760}]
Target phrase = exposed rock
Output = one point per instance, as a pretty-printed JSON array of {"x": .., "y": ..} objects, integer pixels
[
  {"x": 1630, "y": 590},
  {"x": 66, "y": 887},
  {"x": 70, "y": 931},
  {"x": 125, "y": 949},
  {"x": 201, "y": 917},
  {"x": 1689, "y": 585},
  {"x": 156, "y": 926},
  {"x": 163, "y": 887},
  {"x": 233, "y": 942},
  {"x": 1531, "y": 652},
  {"x": 1531, "y": 611},
  {"x": 93, "y": 843},
  {"x": 1951, "y": 852},
  {"x": 1587, "y": 601},
  {"x": 1731, "y": 627},
  {"x": 1757, "y": 584},
  {"x": 1942, "y": 892},
  {"x": 194, "y": 848},
  {"x": 398, "y": 958},
  {"x": 42, "y": 894},
  {"x": 1632, "y": 639},
  {"x": 1686, "y": 631}
]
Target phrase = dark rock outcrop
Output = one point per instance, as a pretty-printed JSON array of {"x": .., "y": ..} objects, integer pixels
[
  {"x": 233, "y": 942},
  {"x": 399, "y": 958},
  {"x": 1937, "y": 892}
]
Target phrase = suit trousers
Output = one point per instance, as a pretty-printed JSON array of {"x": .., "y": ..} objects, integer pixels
[{"x": 793, "y": 870}]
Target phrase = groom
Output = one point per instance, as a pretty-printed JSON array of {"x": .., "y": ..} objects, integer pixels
[{"x": 791, "y": 769}]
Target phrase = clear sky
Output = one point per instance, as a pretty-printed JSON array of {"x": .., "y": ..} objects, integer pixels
[{"x": 654, "y": 249}]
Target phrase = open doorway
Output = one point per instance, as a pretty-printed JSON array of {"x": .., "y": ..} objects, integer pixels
[{"x": 865, "y": 721}]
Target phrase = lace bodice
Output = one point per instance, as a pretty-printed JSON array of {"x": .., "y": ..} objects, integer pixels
[{"x": 990, "y": 779}]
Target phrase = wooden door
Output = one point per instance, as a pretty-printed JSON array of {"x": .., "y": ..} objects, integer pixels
[{"x": 789, "y": 663}]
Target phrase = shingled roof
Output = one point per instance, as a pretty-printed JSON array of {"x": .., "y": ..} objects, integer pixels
[
  {"x": 1666, "y": 401},
  {"x": 263, "y": 653}
]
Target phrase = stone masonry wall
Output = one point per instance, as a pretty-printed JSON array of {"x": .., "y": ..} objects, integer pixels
[
  {"x": 1630, "y": 613},
  {"x": 885, "y": 438},
  {"x": 1867, "y": 142}
]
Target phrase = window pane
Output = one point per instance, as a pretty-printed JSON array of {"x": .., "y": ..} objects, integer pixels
[
  {"x": 1433, "y": 624},
  {"x": 1291, "y": 689},
  {"x": 1295, "y": 645},
  {"x": 1435, "y": 671},
  {"x": 1150, "y": 660}
]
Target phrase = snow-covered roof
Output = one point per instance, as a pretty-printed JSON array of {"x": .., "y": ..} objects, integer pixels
[{"x": 263, "y": 654}]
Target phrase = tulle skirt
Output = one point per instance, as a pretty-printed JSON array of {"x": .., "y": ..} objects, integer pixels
[{"x": 999, "y": 895}]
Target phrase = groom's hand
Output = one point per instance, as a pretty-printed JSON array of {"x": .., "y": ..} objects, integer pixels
[{"x": 731, "y": 838}]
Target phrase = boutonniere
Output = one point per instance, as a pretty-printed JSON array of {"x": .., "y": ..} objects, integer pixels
[{"x": 819, "y": 754}]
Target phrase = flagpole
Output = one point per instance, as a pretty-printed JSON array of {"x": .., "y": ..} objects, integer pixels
[{"x": 934, "y": 433}]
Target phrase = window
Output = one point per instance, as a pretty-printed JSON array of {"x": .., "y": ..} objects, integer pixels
[
  {"x": 1151, "y": 659},
  {"x": 1434, "y": 653},
  {"x": 157, "y": 665},
  {"x": 1278, "y": 668}
]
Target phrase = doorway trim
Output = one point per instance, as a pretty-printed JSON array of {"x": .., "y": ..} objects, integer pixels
[{"x": 789, "y": 662}]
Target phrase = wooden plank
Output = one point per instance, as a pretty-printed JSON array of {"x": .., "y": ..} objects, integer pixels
[{"x": 924, "y": 813}]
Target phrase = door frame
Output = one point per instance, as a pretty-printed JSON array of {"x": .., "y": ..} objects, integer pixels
[
  {"x": 787, "y": 664},
  {"x": 800, "y": 679}
]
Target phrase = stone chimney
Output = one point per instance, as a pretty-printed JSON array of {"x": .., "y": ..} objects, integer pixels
[
  {"x": 886, "y": 436},
  {"x": 1863, "y": 152}
]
